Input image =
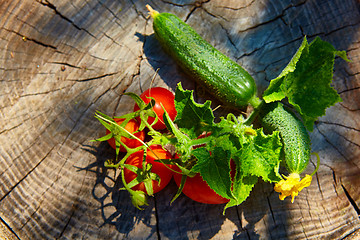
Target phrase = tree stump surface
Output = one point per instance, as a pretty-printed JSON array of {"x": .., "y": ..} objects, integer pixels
[{"x": 63, "y": 60}]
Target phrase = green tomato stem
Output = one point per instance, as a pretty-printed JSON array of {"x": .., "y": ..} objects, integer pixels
[{"x": 199, "y": 141}]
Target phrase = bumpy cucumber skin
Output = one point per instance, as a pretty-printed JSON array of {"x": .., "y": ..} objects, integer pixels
[
  {"x": 296, "y": 140},
  {"x": 226, "y": 80}
]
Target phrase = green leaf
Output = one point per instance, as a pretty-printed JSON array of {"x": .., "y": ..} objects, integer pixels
[
  {"x": 181, "y": 138},
  {"x": 241, "y": 190},
  {"x": 137, "y": 99},
  {"x": 181, "y": 187},
  {"x": 261, "y": 157},
  {"x": 277, "y": 89},
  {"x": 104, "y": 138},
  {"x": 191, "y": 117},
  {"x": 306, "y": 81},
  {"x": 215, "y": 169}
]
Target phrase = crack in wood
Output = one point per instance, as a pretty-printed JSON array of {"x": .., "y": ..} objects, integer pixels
[
  {"x": 9, "y": 228},
  {"x": 350, "y": 89},
  {"x": 271, "y": 210},
  {"x": 331, "y": 144},
  {"x": 9, "y": 129},
  {"x": 343, "y": 137},
  {"x": 157, "y": 219},
  {"x": 326, "y": 34},
  {"x": 26, "y": 175},
  {"x": 93, "y": 78},
  {"x": 229, "y": 38},
  {"x": 338, "y": 124},
  {"x": 351, "y": 235},
  {"x": 239, "y": 8},
  {"x": 48, "y": 4},
  {"x": 319, "y": 185},
  {"x": 23, "y": 121},
  {"x": 348, "y": 108},
  {"x": 341, "y": 28},
  {"x": 68, "y": 64},
  {"x": 351, "y": 200},
  {"x": 242, "y": 227},
  {"x": 66, "y": 224},
  {"x": 266, "y": 42},
  {"x": 25, "y": 38},
  {"x": 189, "y": 14},
  {"x": 197, "y": 5},
  {"x": 46, "y": 92},
  {"x": 113, "y": 40},
  {"x": 112, "y": 13},
  {"x": 139, "y": 13},
  {"x": 348, "y": 140}
]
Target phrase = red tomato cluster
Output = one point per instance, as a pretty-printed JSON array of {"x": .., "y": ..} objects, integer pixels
[
  {"x": 195, "y": 187},
  {"x": 162, "y": 97}
]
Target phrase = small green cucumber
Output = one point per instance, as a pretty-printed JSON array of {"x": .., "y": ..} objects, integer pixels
[
  {"x": 297, "y": 146},
  {"x": 223, "y": 77}
]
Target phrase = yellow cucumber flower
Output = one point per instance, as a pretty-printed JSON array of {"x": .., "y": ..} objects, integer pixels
[{"x": 291, "y": 185}]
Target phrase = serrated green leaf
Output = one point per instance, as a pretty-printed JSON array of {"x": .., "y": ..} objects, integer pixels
[
  {"x": 258, "y": 157},
  {"x": 261, "y": 157},
  {"x": 192, "y": 117},
  {"x": 277, "y": 89},
  {"x": 215, "y": 169},
  {"x": 180, "y": 136},
  {"x": 306, "y": 81},
  {"x": 241, "y": 190}
]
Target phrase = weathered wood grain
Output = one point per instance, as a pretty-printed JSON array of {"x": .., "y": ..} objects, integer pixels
[{"x": 62, "y": 60}]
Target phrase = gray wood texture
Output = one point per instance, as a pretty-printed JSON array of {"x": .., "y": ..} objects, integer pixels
[{"x": 60, "y": 61}]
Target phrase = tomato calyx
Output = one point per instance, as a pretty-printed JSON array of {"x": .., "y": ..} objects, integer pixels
[
  {"x": 160, "y": 100},
  {"x": 138, "y": 197},
  {"x": 144, "y": 112},
  {"x": 144, "y": 172},
  {"x": 144, "y": 175}
]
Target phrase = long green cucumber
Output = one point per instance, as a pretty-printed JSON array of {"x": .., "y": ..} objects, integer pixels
[
  {"x": 223, "y": 77},
  {"x": 296, "y": 140}
]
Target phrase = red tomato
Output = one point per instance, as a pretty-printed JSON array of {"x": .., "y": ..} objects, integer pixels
[
  {"x": 163, "y": 96},
  {"x": 159, "y": 168},
  {"x": 132, "y": 126}
]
